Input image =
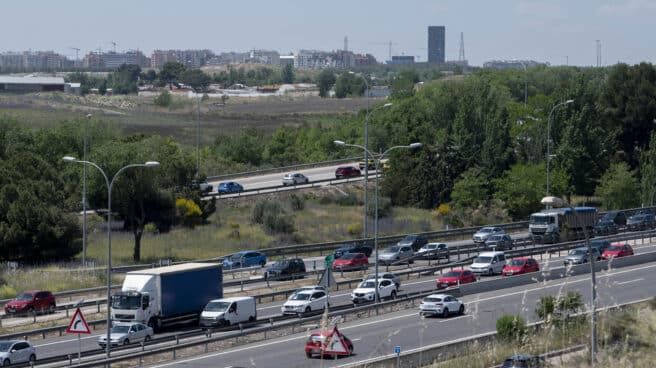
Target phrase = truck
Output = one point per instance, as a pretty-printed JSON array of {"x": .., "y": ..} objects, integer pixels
[
  {"x": 562, "y": 224},
  {"x": 167, "y": 295}
]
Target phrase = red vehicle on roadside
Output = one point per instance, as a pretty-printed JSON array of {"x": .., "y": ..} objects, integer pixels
[
  {"x": 328, "y": 342},
  {"x": 351, "y": 261},
  {"x": 32, "y": 301},
  {"x": 519, "y": 266},
  {"x": 346, "y": 172},
  {"x": 617, "y": 250},
  {"x": 456, "y": 277}
]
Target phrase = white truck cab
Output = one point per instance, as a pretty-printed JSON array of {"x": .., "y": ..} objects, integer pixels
[{"x": 228, "y": 311}]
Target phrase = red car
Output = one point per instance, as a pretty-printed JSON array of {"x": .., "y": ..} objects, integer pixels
[
  {"x": 455, "y": 278},
  {"x": 32, "y": 301},
  {"x": 328, "y": 343},
  {"x": 617, "y": 250},
  {"x": 519, "y": 266},
  {"x": 346, "y": 172},
  {"x": 351, "y": 261}
]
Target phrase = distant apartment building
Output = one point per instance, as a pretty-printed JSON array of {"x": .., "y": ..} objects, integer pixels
[
  {"x": 512, "y": 64},
  {"x": 287, "y": 60},
  {"x": 264, "y": 57},
  {"x": 34, "y": 60},
  {"x": 401, "y": 59},
  {"x": 339, "y": 59},
  {"x": 226, "y": 58},
  {"x": 190, "y": 58},
  {"x": 436, "y": 42},
  {"x": 112, "y": 60},
  {"x": 364, "y": 60}
]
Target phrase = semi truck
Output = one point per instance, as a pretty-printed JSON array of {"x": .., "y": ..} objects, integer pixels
[
  {"x": 167, "y": 295},
  {"x": 562, "y": 224}
]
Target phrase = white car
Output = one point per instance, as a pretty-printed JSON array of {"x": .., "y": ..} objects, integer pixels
[
  {"x": 441, "y": 305},
  {"x": 488, "y": 263},
  {"x": 481, "y": 235},
  {"x": 294, "y": 178},
  {"x": 305, "y": 302},
  {"x": 124, "y": 333},
  {"x": 16, "y": 351},
  {"x": 308, "y": 288},
  {"x": 366, "y": 291}
]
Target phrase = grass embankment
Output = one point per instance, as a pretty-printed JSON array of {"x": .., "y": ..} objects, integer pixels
[{"x": 626, "y": 338}]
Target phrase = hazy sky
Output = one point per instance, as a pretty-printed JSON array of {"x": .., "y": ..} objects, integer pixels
[{"x": 555, "y": 31}]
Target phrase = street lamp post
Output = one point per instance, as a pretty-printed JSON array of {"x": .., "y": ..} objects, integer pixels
[
  {"x": 109, "y": 184},
  {"x": 377, "y": 161},
  {"x": 197, "y": 135},
  {"x": 549, "y": 138},
  {"x": 84, "y": 195}
]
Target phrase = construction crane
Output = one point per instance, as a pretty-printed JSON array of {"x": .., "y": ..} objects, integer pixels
[
  {"x": 388, "y": 43},
  {"x": 113, "y": 43}
]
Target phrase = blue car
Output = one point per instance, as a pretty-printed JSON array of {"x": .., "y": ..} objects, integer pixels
[
  {"x": 229, "y": 187},
  {"x": 245, "y": 258}
]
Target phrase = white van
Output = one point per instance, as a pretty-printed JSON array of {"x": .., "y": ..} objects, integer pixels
[
  {"x": 488, "y": 263},
  {"x": 228, "y": 311}
]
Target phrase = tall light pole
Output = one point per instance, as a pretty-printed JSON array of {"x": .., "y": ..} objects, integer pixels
[
  {"x": 109, "y": 231},
  {"x": 377, "y": 161},
  {"x": 549, "y": 138},
  {"x": 197, "y": 135},
  {"x": 84, "y": 194}
]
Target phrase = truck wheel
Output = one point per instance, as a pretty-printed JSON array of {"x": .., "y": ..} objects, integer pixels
[
  {"x": 251, "y": 319},
  {"x": 393, "y": 295},
  {"x": 155, "y": 324}
]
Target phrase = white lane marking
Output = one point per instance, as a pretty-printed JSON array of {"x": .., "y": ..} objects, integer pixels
[{"x": 628, "y": 282}]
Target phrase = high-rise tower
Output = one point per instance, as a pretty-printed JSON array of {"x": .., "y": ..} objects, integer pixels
[{"x": 436, "y": 37}]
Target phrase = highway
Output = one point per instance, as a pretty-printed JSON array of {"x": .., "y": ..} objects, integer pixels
[{"x": 377, "y": 336}]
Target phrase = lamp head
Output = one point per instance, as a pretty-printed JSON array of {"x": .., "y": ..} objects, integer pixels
[
  {"x": 387, "y": 104},
  {"x": 415, "y": 145},
  {"x": 69, "y": 159},
  {"x": 339, "y": 143},
  {"x": 151, "y": 163},
  {"x": 569, "y": 101}
]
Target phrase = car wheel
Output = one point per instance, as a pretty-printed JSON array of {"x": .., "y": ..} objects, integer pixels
[
  {"x": 147, "y": 338},
  {"x": 445, "y": 312},
  {"x": 262, "y": 263},
  {"x": 308, "y": 355},
  {"x": 461, "y": 311},
  {"x": 393, "y": 295},
  {"x": 126, "y": 342},
  {"x": 30, "y": 311},
  {"x": 32, "y": 358},
  {"x": 490, "y": 272},
  {"x": 350, "y": 349},
  {"x": 6, "y": 363},
  {"x": 51, "y": 308}
]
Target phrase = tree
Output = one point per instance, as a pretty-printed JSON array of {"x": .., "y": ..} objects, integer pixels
[
  {"x": 288, "y": 74},
  {"x": 196, "y": 79},
  {"x": 348, "y": 84},
  {"x": 171, "y": 72},
  {"x": 648, "y": 173},
  {"x": 404, "y": 84},
  {"x": 618, "y": 187},
  {"x": 471, "y": 189},
  {"x": 325, "y": 81},
  {"x": 125, "y": 78},
  {"x": 511, "y": 328}
]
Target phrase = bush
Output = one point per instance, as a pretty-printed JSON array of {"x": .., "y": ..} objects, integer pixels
[
  {"x": 384, "y": 208},
  {"x": 7, "y": 292},
  {"x": 546, "y": 307},
  {"x": 297, "y": 202},
  {"x": 511, "y": 328},
  {"x": 349, "y": 200},
  {"x": 188, "y": 211},
  {"x": 354, "y": 228},
  {"x": 164, "y": 99},
  {"x": 272, "y": 216}
]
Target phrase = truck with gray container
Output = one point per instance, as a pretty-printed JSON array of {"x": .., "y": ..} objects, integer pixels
[{"x": 562, "y": 224}]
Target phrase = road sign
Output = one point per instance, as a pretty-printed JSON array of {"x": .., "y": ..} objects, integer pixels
[
  {"x": 397, "y": 350},
  {"x": 327, "y": 279},
  {"x": 78, "y": 324}
]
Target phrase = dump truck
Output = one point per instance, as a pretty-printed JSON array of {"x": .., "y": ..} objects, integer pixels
[{"x": 562, "y": 224}]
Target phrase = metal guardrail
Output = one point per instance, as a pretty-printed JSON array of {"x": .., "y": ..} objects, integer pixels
[{"x": 283, "y": 169}]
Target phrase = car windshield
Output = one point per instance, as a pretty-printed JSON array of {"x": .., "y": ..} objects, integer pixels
[
  {"x": 575, "y": 252},
  {"x": 281, "y": 264},
  {"x": 614, "y": 248},
  {"x": 216, "y": 306},
  {"x": 495, "y": 237},
  {"x": 453, "y": 274},
  {"x": 638, "y": 218},
  {"x": 391, "y": 250},
  {"x": 541, "y": 220},
  {"x": 367, "y": 285},
  {"x": 25, "y": 296},
  {"x": 485, "y": 230},
  {"x": 300, "y": 296},
  {"x": 482, "y": 259},
  {"x": 516, "y": 262},
  {"x": 429, "y": 246},
  {"x": 432, "y": 299},
  {"x": 380, "y": 276},
  {"x": 348, "y": 256},
  {"x": 236, "y": 257},
  {"x": 120, "y": 329},
  {"x": 4, "y": 346}
]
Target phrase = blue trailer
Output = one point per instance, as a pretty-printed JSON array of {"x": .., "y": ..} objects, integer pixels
[{"x": 167, "y": 295}]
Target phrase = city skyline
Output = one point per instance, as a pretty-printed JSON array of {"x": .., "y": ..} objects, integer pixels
[{"x": 555, "y": 31}]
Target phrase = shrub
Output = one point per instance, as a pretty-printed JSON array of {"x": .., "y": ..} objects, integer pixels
[
  {"x": 297, "y": 202},
  {"x": 354, "y": 228},
  {"x": 511, "y": 328},
  {"x": 545, "y": 307},
  {"x": 272, "y": 216},
  {"x": 349, "y": 200},
  {"x": 384, "y": 208},
  {"x": 164, "y": 99},
  {"x": 7, "y": 292},
  {"x": 188, "y": 211},
  {"x": 261, "y": 208}
]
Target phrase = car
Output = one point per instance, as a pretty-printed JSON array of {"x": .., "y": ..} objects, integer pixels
[
  {"x": 600, "y": 244},
  {"x": 441, "y": 305},
  {"x": 519, "y": 266},
  {"x": 351, "y": 261},
  {"x": 640, "y": 222},
  {"x": 346, "y": 172},
  {"x": 245, "y": 258},
  {"x": 17, "y": 351},
  {"x": 617, "y": 250},
  {"x": 456, "y": 277},
  {"x": 416, "y": 241},
  {"x": 305, "y": 302},
  {"x": 226, "y": 187},
  {"x": 318, "y": 343},
  {"x": 125, "y": 333},
  {"x": 481, "y": 235},
  {"x": 618, "y": 217},
  {"x": 309, "y": 288},
  {"x": 580, "y": 255},
  {"x": 287, "y": 268},
  {"x": 605, "y": 227},
  {"x": 396, "y": 254},
  {"x": 386, "y": 275},
  {"x": 488, "y": 263},
  {"x": 499, "y": 242},
  {"x": 366, "y": 291},
  {"x": 434, "y": 251},
  {"x": 294, "y": 178},
  {"x": 353, "y": 248},
  {"x": 645, "y": 211},
  {"x": 371, "y": 166},
  {"x": 524, "y": 361},
  {"x": 202, "y": 186},
  {"x": 32, "y": 301}
]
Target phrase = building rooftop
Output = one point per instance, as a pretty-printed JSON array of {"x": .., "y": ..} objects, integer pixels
[{"x": 31, "y": 80}]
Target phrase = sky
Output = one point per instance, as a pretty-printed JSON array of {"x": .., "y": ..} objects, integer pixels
[{"x": 556, "y": 31}]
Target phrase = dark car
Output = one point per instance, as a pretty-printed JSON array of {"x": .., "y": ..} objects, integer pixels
[
  {"x": 346, "y": 172},
  {"x": 499, "y": 242},
  {"x": 229, "y": 187},
  {"x": 32, "y": 301},
  {"x": 416, "y": 241},
  {"x": 353, "y": 248},
  {"x": 640, "y": 222},
  {"x": 434, "y": 251},
  {"x": 605, "y": 227},
  {"x": 601, "y": 245},
  {"x": 524, "y": 361},
  {"x": 618, "y": 217},
  {"x": 286, "y": 269}
]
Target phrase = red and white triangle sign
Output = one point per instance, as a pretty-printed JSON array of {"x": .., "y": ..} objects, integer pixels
[
  {"x": 335, "y": 343},
  {"x": 78, "y": 324}
]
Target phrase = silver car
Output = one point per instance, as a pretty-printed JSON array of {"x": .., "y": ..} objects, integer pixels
[
  {"x": 396, "y": 254},
  {"x": 294, "y": 178},
  {"x": 124, "y": 333},
  {"x": 580, "y": 255},
  {"x": 481, "y": 235},
  {"x": 16, "y": 351},
  {"x": 387, "y": 276}
]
